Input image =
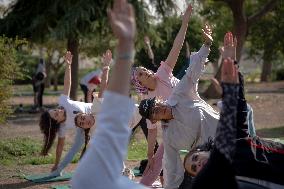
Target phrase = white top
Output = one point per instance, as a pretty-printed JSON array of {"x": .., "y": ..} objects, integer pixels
[
  {"x": 71, "y": 108},
  {"x": 135, "y": 119},
  {"x": 85, "y": 80},
  {"x": 194, "y": 120},
  {"x": 101, "y": 166}
]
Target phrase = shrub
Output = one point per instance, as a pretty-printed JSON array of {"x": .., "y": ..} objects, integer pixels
[{"x": 9, "y": 71}]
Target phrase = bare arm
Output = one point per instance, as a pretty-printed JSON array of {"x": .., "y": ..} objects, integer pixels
[
  {"x": 67, "y": 76},
  {"x": 107, "y": 57},
  {"x": 149, "y": 49},
  {"x": 124, "y": 28},
  {"x": 174, "y": 53},
  {"x": 59, "y": 149}
]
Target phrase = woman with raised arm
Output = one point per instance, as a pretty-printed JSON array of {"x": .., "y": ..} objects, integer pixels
[
  {"x": 58, "y": 120},
  {"x": 102, "y": 164}
]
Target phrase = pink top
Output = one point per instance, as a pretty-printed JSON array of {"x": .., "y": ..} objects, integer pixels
[{"x": 165, "y": 84}]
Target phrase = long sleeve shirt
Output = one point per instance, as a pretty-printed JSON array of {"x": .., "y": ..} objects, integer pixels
[
  {"x": 101, "y": 166},
  {"x": 193, "y": 123},
  {"x": 219, "y": 165}
]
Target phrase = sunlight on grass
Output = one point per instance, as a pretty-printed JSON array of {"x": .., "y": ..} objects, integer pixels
[
  {"x": 23, "y": 151},
  {"x": 137, "y": 150}
]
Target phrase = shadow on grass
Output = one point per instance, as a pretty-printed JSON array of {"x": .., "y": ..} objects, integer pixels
[
  {"x": 271, "y": 132},
  {"x": 25, "y": 184}
]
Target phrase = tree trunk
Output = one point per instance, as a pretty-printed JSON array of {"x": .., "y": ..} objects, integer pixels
[
  {"x": 48, "y": 72},
  {"x": 73, "y": 47},
  {"x": 55, "y": 79},
  {"x": 267, "y": 65},
  {"x": 240, "y": 25}
]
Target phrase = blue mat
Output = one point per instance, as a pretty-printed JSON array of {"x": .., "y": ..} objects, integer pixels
[
  {"x": 41, "y": 178},
  {"x": 62, "y": 187}
]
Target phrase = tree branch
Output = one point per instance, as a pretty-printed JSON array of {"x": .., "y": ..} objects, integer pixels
[{"x": 265, "y": 9}]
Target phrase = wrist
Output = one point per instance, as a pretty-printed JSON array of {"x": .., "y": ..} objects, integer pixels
[
  {"x": 106, "y": 68},
  {"x": 208, "y": 44}
]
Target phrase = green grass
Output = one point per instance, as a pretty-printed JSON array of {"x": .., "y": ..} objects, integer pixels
[
  {"x": 22, "y": 151},
  {"x": 137, "y": 150},
  {"x": 272, "y": 133},
  {"x": 25, "y": 151}
]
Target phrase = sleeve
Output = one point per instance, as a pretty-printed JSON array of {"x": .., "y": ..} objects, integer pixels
[
  {"x": 102, "y": 164},
  {"x": 197, "y": 62},
  {"x": 226, "y": 132},
  {"x": 136, "y": 117},
  {"x": 164, "y": 71},
  {"x": 61, "y": 131}
]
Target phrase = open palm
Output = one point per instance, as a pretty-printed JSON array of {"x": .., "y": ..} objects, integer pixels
[{"x": 122, "y": 20}]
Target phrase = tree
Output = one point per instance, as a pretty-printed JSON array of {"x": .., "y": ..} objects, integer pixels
[
  {"x": 243, "y": 14},
  {"x": 66, "y": 19},
  {"x": 9, "y": 71},
  {"x": 270, "y": 43}
]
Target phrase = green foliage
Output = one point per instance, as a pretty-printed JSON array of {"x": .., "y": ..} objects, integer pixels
[
  {"x": 9, "y": 71},
  {"x": 166, "y": 32}
]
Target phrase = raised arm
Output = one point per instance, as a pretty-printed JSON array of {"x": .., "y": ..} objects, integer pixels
[
  {"x": 197, "y": 61},
  {"x": 67, "y": 76},
  {"x": 227, "y": 130},
  {"x": 149, "y": 50},
  {"x": 174, "y": 53},
  {"x": 107, "y": 57}
]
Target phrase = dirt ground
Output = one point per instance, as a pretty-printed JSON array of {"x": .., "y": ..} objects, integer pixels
[{"x": 267, "y": 100}]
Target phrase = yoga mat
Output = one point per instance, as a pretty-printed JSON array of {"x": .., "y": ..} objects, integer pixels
[
  {"x": 61, "y": 187},
  {"x": 44, "y": 178},
  {"x": 136, "y": 172}
]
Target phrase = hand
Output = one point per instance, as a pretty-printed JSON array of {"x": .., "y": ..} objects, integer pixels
[
  {"x": 54, "y": 168},
  {"x": 146, "y": 40},
  {"x": 217, "y": 86},
  {"x": 150, "y": 166},
  {"x": 107, "y": 57},
  {"x": 187, "y": 14},
  {"x": 230, "y": 46},
  {"x": 207, "y": 35},
  {"x": 68, "y": 57},
  {"x": 122, "y": 20},
  {"x": 229, "y": 72}
]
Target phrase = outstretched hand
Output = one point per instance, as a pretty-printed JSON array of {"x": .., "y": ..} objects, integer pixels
[
  {"x": 68, "y": 57},
  {"x": 107, "y": 57},
  {"x": 229, "y": 72},
  {"x": 207, "y": 35},
  {"x": 230, "y": 45},
  {"x": 122, "y": 20}
]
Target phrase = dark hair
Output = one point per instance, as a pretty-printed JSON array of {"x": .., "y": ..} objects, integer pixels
[
  {"x": 87, "y": 133},
  {"x": 207, "y": 146},
  {"x": 49, "y": 127},
  {"x": 87, "y": 139}
]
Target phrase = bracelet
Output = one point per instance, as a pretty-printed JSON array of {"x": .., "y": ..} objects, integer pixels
[{"x": 128, "y": 56}]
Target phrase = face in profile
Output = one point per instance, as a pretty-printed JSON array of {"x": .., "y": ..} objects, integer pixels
[
  {"x": 195, "y": 162},
  {"x": 146, "y": 78},
  {"x": 84, "y": 121},
  {"x": 160, "y": 112},
  {"x": 57, "y": 114}
]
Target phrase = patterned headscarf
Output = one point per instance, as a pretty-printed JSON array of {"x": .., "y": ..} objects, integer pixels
[{"x": 139, "y": 88}]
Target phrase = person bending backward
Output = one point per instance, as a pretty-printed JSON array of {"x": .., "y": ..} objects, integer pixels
[
  {"x": 101, "y": 166},
  {"x": 60, "y": 119},
  {"x": 187, "y": 120}
]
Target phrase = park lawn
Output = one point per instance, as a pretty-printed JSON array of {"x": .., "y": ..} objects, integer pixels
[{"x": 25, "y": 151}]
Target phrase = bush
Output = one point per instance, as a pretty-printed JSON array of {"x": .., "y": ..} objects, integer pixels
[
  {"x": 9, "y": 71},
  {"x": 279, "y": 74}
]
